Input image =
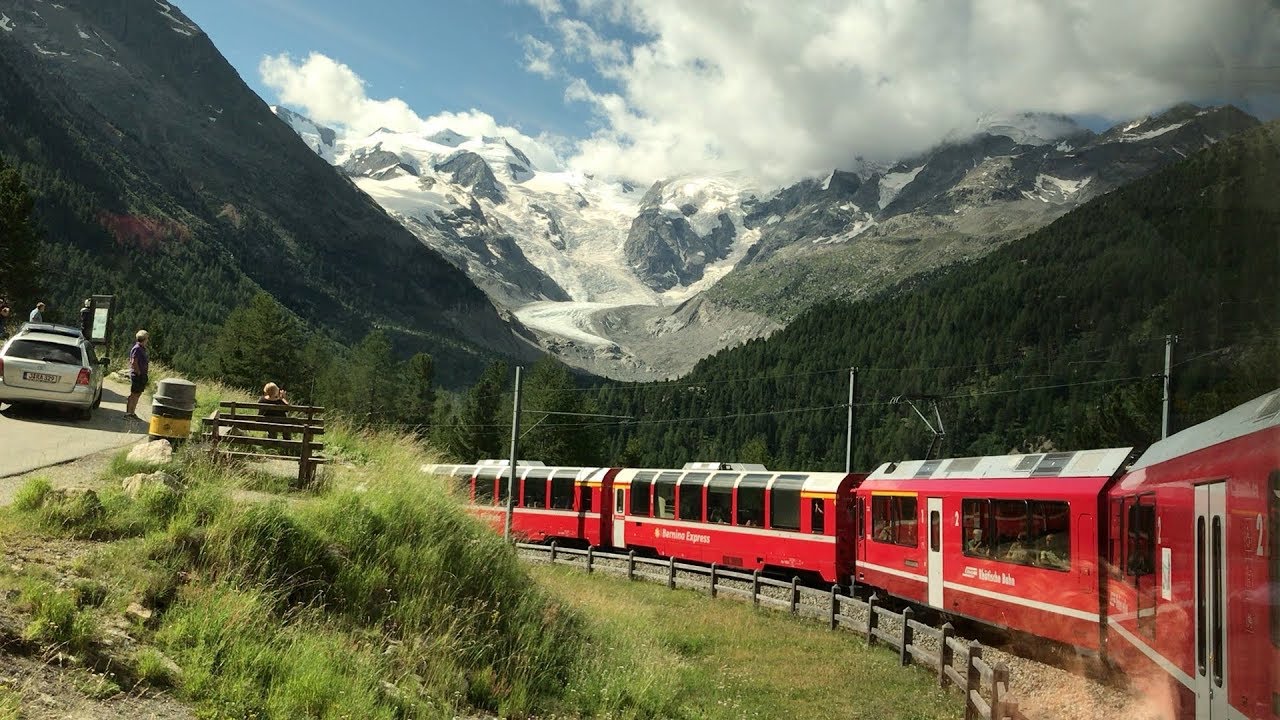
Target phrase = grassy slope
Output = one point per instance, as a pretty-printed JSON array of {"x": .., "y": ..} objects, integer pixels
[
  {"x": 374, "y": 595},
  {"x": 727, "y": 660}
]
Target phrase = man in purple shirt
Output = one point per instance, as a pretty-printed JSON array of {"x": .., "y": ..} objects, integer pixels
[{"x": 138, "y": 366}]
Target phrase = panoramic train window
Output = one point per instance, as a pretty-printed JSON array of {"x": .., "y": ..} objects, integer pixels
[
  {"x": 664, "y": 495},
  {"x": 784, "y": 502},
  {"x": 562, "y": 492},
  {"x": 503, "y": 480},
  {"x": 720, "y": 498},
  {"x": 977, "y": 537},
  {"x": 751, "y": 500},
  {"x": 893, "y": 519},
  {"x": 535, "y": 489},
  {"x": 691, "y": 496},
  {"x": 817, "y": 516},
  {"x": 640, "y": 493},
  {"x": 484, "y": 491},
  {"x": 1024, "y": 532},
  {"x": 1273, "y": 532},
  {"x": 586, "y": 504},
  {"x": 1049, "y": 534}
]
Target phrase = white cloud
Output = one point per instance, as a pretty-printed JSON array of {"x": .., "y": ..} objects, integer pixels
[
  {"x": 784, "y": 90},
  {"x": 331, "y": 93},
  {"x": 538, "y": 57}
]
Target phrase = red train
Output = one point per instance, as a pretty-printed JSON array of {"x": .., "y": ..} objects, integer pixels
[{"x": 1167, "y": 566}]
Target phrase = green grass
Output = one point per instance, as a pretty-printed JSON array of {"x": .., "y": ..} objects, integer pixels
[
  {"x": 723, "y": 659},
  {"x": 378, "y": 596},
  {"x": 10, "y": 704},
  {"x": 56, "y": 620}
]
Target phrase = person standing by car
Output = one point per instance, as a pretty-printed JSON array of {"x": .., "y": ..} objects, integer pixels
[
  {"x": 37, "y": 315},
  {"x": 5, "y": 311},
  {"x": 138, "y": 367},
  {"x": 86, "y": 318}
]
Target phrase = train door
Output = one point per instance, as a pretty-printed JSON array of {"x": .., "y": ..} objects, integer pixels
[
  {"x": 935, "y": 552},
  {"x": 1211, "y": 602},
  {"x": 619, "y": 517}
]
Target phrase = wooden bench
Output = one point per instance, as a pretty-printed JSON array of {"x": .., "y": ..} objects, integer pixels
[{"x": 227, "y": 431}]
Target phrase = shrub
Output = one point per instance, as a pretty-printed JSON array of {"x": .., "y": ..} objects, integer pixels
[{"x": 32, "y": 494}]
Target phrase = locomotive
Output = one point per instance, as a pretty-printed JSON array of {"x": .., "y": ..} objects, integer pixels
[{"x": 1165, "y": 564}]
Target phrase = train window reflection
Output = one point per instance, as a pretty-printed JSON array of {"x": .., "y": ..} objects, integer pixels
[
  {"x": 751, "y": 500},
  {"x": 664, "y": 495},
  {"x": 1023, "y": 532},
  {"x": 640, "y": 493},
  {"x": 562, "y": 492},
  {"x": 691, "y": 496},
  {"x": 817, "y": 516},
  {"x": 784, "y": 502},
  {"x": 893, "y": 519},
  {"x": 720, "y": 498}
]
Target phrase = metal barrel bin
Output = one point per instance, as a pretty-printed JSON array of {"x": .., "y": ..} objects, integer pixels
[{"x": 171, "y": 409}]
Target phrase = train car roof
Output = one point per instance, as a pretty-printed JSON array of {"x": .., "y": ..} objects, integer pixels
[
  {"x": 1075, "y": 464},
  {"x": 812, "y": 482},
  {"x": 1259, "y": 413},
  {"x": 494, "y": 469}
]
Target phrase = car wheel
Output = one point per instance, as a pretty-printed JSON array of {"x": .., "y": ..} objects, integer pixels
[
  {"x": 85, "y": 413},
  {"x": 97, "y": 401}
]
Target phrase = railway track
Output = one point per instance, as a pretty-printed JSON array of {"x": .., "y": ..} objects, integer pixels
[{"x": 1047, "y": 689}]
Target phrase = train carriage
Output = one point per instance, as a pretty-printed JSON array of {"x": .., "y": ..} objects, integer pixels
[
  {"x": 746, "y": 518},
  {"x": 1193, "y": 584},
  {"x": 1008, "y": 540},
  {"x": 568, "y": 504}
]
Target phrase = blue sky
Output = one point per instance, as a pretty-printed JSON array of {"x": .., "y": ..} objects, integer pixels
[
  {"x": 437, "y": 55},
  {"x": 649, "y": 89}
]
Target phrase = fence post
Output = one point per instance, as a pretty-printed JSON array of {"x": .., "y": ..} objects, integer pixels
[
  {"x": 972, "y": 681},
  {"x": 999, "y": 676},
  {"x": 835, "y": 606},
  {"x": 305, "y": 474},
  {"x": 904, "y": 653},
  {"x": 591, "y": 559},
  {"x": 553, "y": 552},
  {"x": 671, "y": 574},
  {"x": 755, "y": 588},
  {"x": 795, "y": 595},
  {"x": 713, "y": 579},
  {"x": 944, "y": 655},
  {"x": 871, "y": 619},
  {"x": 631, "y": 564}
]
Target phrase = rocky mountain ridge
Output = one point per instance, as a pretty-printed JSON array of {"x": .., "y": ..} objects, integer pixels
[{"x": 569, "y": 254}]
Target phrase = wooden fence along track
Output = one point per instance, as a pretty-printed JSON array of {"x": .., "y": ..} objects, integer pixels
[
  {"x": 228, "y": 427},
  {"x": 986, "y": 687}
]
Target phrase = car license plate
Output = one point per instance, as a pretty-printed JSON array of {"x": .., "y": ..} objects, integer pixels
[{"x": 40, "y": 377}]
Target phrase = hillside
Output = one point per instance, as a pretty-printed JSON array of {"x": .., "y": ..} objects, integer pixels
[
  {"x": 160, "y": 177},
  {"x": 1079, "y": 307}
]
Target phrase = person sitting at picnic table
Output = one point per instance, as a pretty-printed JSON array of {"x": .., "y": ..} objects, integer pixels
[{"x": 273, "y": 395}]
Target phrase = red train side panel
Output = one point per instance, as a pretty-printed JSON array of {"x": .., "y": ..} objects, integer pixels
[
  {"x": 786, "y": 523},
  {"x": 1193, "y": 588},
  {"x": 551, "y": 503},
  {"x": 1009, "y": 540}
]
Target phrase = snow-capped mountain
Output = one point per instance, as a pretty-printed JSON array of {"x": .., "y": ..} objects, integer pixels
[
  {"x": 632, "y": 284},
  {"x": 529, "y": 234}
]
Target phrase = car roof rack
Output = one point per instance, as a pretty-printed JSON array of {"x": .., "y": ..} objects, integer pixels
[{"x": 52, "y": 329}]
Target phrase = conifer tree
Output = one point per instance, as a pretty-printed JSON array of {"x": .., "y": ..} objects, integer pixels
[
  {"x": 419, "y": 393},
  {"x": 260, "y": 342},
  {"x": 19, "y": 240}
]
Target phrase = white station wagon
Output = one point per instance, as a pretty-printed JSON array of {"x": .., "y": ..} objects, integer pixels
[{"x": 47, "y": 364}]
